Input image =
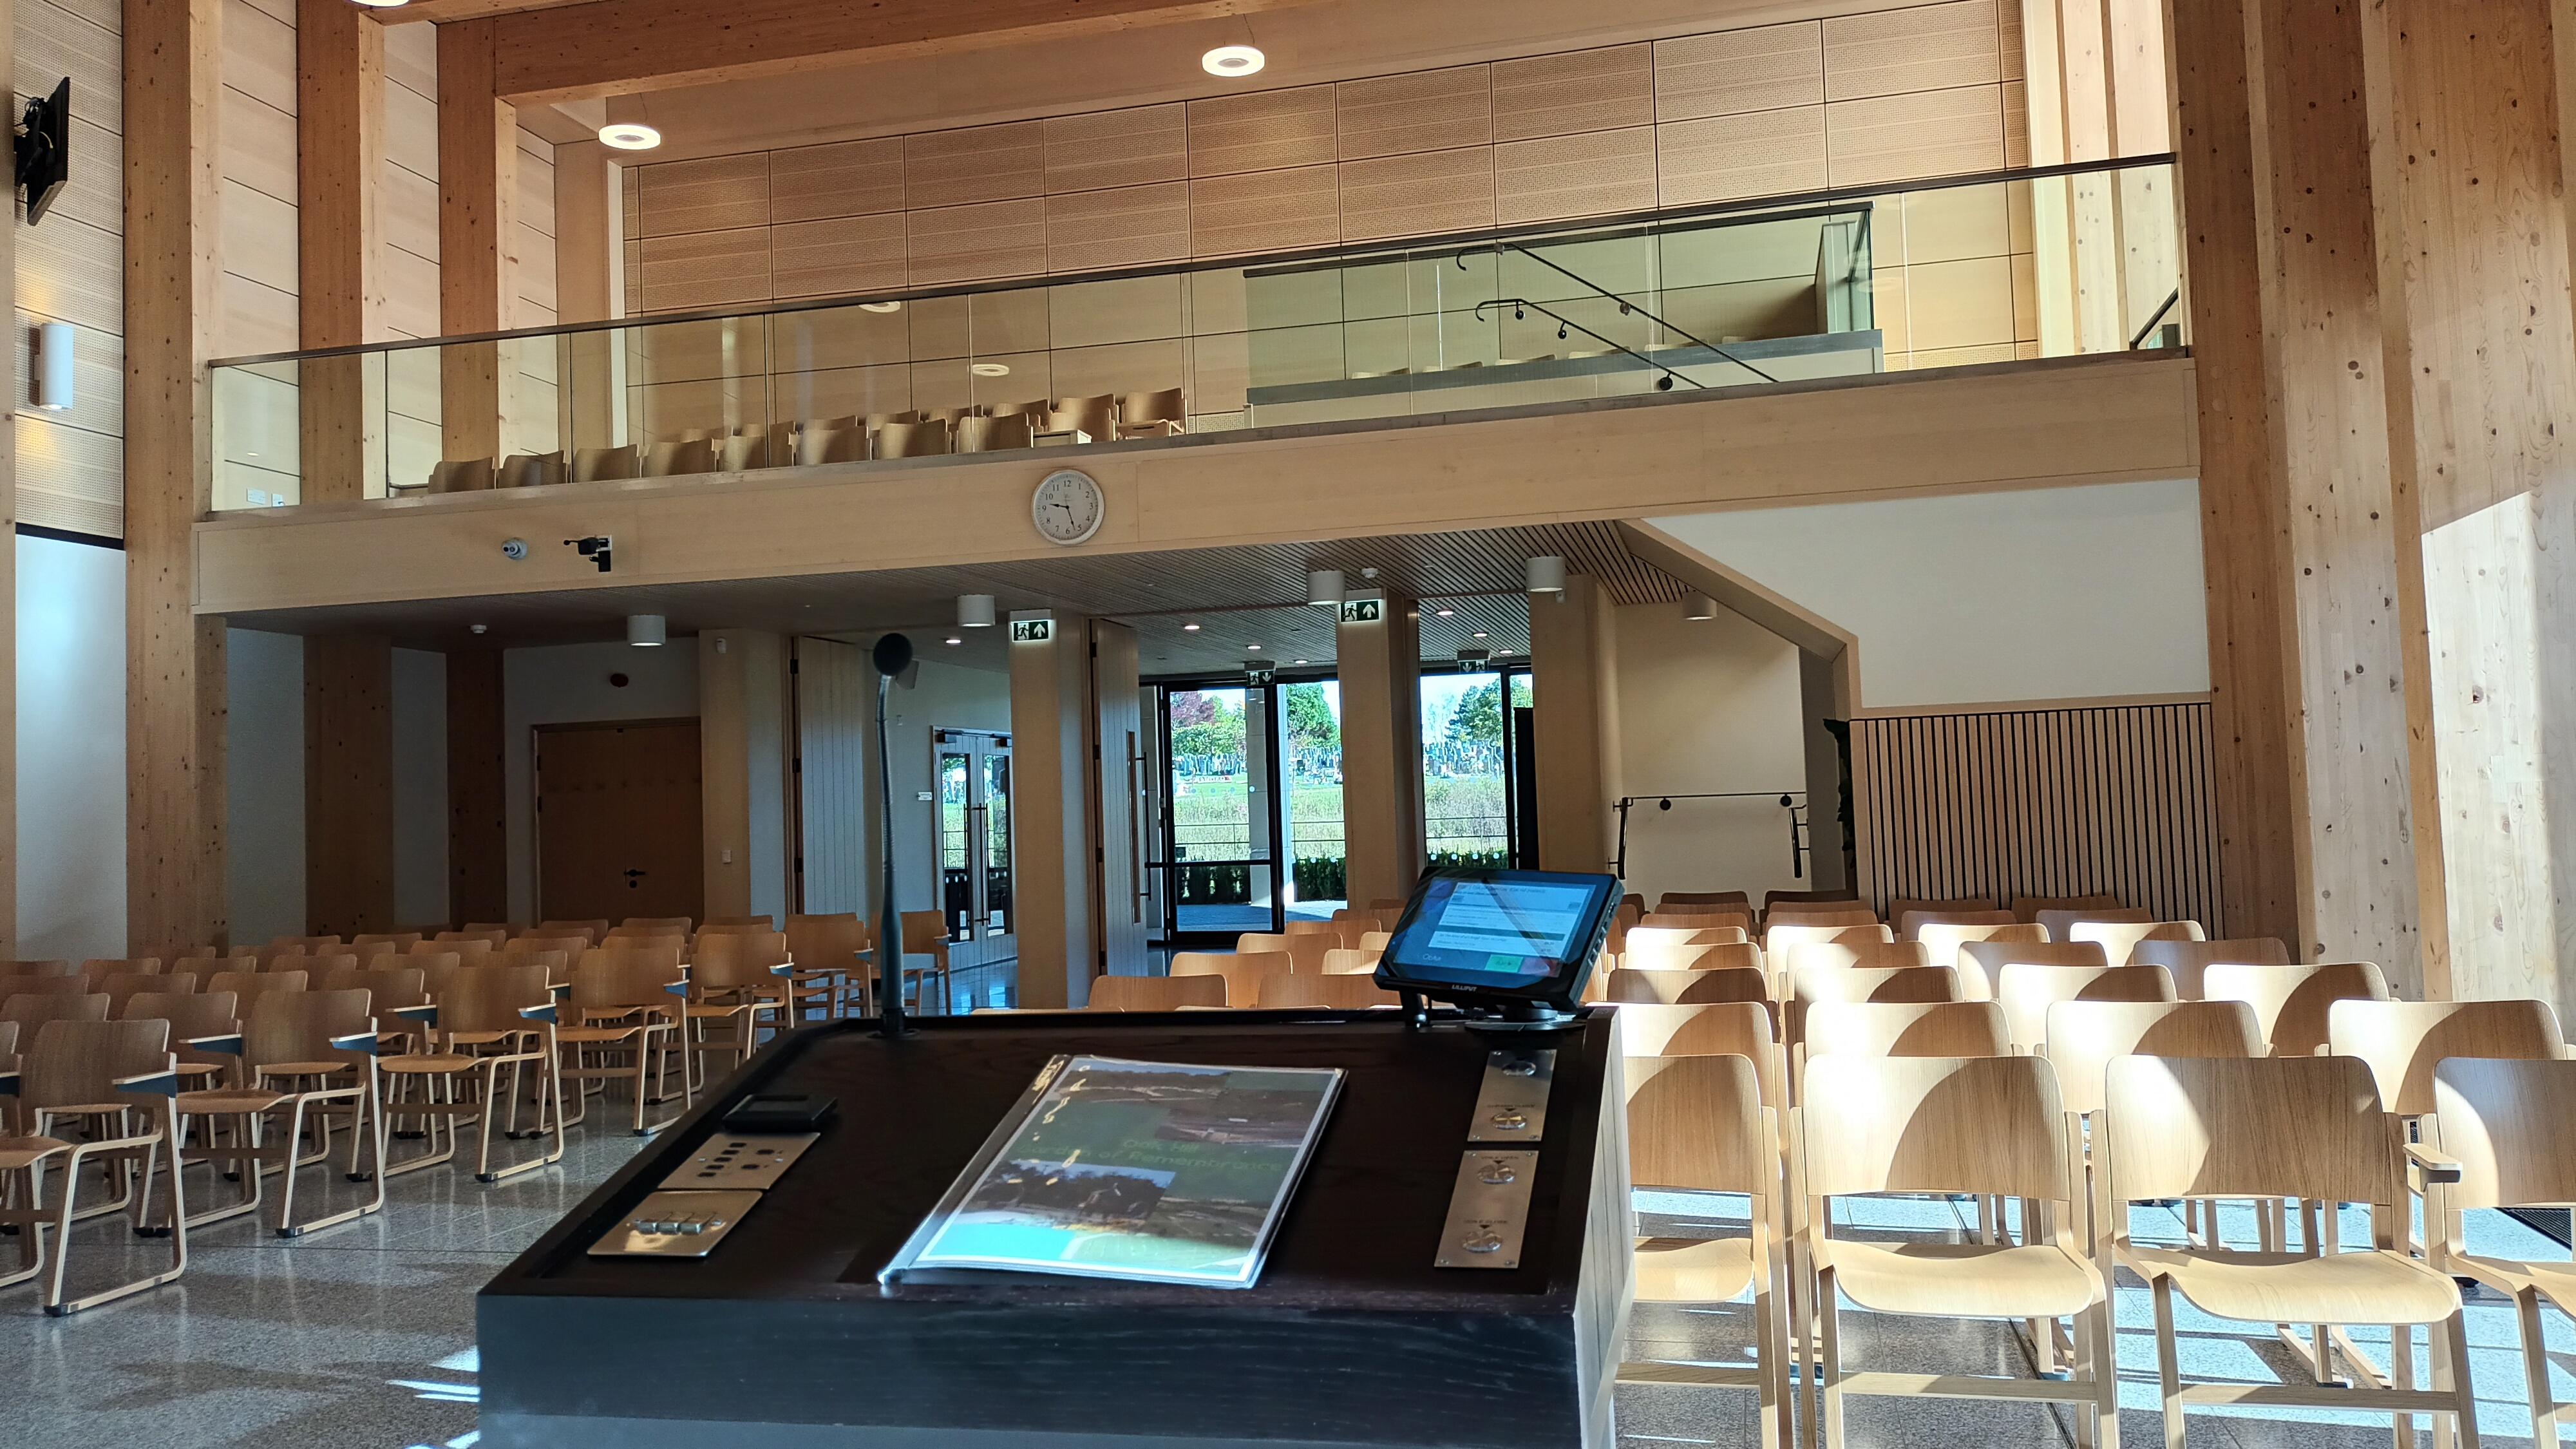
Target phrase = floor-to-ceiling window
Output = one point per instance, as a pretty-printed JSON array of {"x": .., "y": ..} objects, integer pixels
[
  {"x": 1472, "y": 757},
  {"x": 1219, "y": 823},
  {"x": 1310, "y": 726}
]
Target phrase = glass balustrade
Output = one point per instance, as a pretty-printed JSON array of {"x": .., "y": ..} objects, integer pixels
[{"x": 1928, "y": 275}]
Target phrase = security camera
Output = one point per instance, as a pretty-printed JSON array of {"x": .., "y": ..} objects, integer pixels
[{"x": 595, "y": 548}]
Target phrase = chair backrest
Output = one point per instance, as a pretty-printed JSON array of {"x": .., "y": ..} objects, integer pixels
[
  {"x": 460, "y": 475},
  {"x": 2085, "y": 1037},
  {"x": 1904, "y": 906},
  {"x": 1845, "y": 913},
  {"x": 911, "y": 440},
  {"x": 530, "y": 470},
  {"x": 1151, "y": 407},
  {"x": 2511, "y": 1125},
  {"x": 2291, "y": 1003},
  {"x": 1684, "y": 900},
  {"x": 1906, "y": 1029},
  {"x": 612, "y": 978},
  {"x": 874, "y": 421},
  {"x": 1689, "y": 987},
  {"x": 2308, "y": 1127},
  {"x": 2404, "y": 1040},
  {"x": 440, "y": 967},
  {"x": 79, "y": 1063},
  {"x": 740, "y": 923},
  {"x": 1695, "y": 1123},
  {"x": 1809, "y": 898},
  {"x": 1780, "y": 938},
  {"x": 1342, "y": 961},
  {"x": 742, "y": 452},
  {"x": 2060, "y": 924},
  {"x": 589, "y": 931},
  {"x": 44, "y": 986},
  {"x": 1639, "y": 936},
  {"x": 2119, "y": 938},
  {"x": 388, "y": 943},
  {"x": 299, "y": 1026},
  {"x": 667, "y": 950},
  {"x": 1663, "y": 956},
  {"x": 674, "y": 460},
  {"x": 1944, "y": 938},
  {"x": 591, "y": 465},
  {"x": 729, "y": 961},
  {"x": 98, "y": 968},
  {"x": 653, "y": 926},
  {"x": 1697, "y": 920},
  {"x": 33, "y": 1011},
  {"x": 817, "y": 446},
  {"x": 2026, "y": 992},
  {"x": 1243, "y": 972},
  {"x": 1982, "y": 962},
  {"x": 249, "y": 986},
  {"x": 1155, "y": 993},
  {"x": 491, "y": 938},
  {"x": 2188, "y": 960},
  {"x": 8, "y": 1039},
  {"x": 1375, "y": 940},
  {"x": 993, "y": 434},
  {"x": 2027, "y": 908},
  {"x": 314, "y": 964},
  {"x": 1933, "y": 1124},
  {"x": 387, "y": 987},
  {"x": 1910, "y": 984},
  {"x": 38, "y": 968},
  {"x": 826, "y": 941},
  {"x": 1305, "y": 949},
  {"x": 922, "y": 930},
  {"x": 1911, "y": 925},
  {"x": 1097, "y": 416},
  {"x": 1334, "y": 993},
  {"x": 121, "y": 989},
  {"x": 191, "y": 1014},
  {"x": 1829, "y": 955},
  {"x": 491, "y": 998}
]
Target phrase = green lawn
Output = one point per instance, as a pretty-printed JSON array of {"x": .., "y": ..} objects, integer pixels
[{"x": 1462, "y": 813}]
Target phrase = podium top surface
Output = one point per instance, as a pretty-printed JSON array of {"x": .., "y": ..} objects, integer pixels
[{"x": 1360, "y": 1231}]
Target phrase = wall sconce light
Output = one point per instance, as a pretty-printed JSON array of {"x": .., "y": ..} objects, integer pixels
[{"x": 54, "y": 347}]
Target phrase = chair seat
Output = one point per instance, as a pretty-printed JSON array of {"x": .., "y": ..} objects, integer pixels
[
  {"x": 304, "y": 1069},
  {"x": 1689, "y": 1270},
  {"x": 2554, "y": 1281},
  {"x": 430, "y": 1063},
  {"x": 593, "y": 1035},
  {"x": 2362, "y": 1287},
  {"x": 224, "y": 1101},
  {"x": 1968, "y": 1280},
  {"x": 18, "y": 1152},
  {"x": 198, "y": 1069}
]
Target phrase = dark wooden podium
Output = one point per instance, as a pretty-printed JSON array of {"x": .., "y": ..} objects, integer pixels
[{"x": 783, "y": 1336}]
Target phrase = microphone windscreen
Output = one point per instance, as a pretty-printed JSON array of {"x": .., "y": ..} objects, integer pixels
[{"x": 892, "y": 654}]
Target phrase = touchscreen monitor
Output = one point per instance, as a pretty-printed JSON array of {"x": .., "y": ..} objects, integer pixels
[{"x": 1506, "y": 934}]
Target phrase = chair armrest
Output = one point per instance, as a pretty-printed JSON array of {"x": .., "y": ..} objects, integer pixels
[
  {"x": 9, "y": 1083},
  {"x": 363, "y": 1043},
  {"x": 163, "y": 1083},
  {"x": 545, "y": 1013},
  {"x": 2434, "y": 1166},
  {"x": 426, "y": 1013},
  {"x": 230, "y": 1046},
  {"x": 782, "y": 968}
]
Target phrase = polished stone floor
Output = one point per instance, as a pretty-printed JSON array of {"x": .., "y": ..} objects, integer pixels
[{"x": 363, "y": 1336}]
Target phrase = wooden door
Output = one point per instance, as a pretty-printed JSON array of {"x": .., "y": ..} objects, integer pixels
[{"x": 619, "y": 821}]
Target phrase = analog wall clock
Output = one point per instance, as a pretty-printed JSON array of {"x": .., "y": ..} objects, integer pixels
[{"x": 1068, "y": 507}]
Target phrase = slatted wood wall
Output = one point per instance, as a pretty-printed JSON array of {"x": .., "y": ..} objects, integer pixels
[
  {"x": 70, "y": 268},
  {"x": 2040, "y": 802}
]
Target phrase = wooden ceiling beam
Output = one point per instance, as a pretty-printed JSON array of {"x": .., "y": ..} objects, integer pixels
[
  {"x": 614, "y": 47},
  {"x": 442, "y": 11}
]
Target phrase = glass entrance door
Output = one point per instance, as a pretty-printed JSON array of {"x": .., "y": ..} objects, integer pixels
[
  {"x": 974, "y": 773},
  {"x": 1220, "y": 857}
]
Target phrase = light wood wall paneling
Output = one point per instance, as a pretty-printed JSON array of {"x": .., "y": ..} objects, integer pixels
[
  {"x": 348, "y": 784},
  {"x": 478, "y": 835},
  {"x": 2329, "y": 450},
  {"x": 174, "y": 720},
  {"x": 1121, "y": 802},
  {"x": 742, "y": 677},
  {"x": 2253, "y": 652},
  {"x": 835, "y": 751},
  {"x": 2469, "y": 177},
  {"x": 1051, "y": 829},
  {"x": 1574, "y": 682},
  {"x": 1379, "y": 666},
  {"x": 478, "y": 189},
  {"x": 340, "y": 108}
]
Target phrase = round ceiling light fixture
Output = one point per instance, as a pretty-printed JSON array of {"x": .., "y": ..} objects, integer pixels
[
  {"x": 1189, "y": 628},
  {"x": 1233, "y": 62},
  {"x": 990, "y": 369},
  {"x": 953, "y": 639},
  {"x": 629, "y": 136},
  {"x": 384, "y": 4},
  {"x": 880, "y": 307}
]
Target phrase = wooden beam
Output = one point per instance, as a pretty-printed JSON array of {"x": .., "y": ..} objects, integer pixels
[
  {"x": 1379, "y": 664},
  {"x": 446, "y": 12},
  {"x": 478, "y": 832},
  {"x": 1051, "y": 827},
  {"x": 339, "y": 153},
  {"x": 478, "y": 188},
  {"x": 348, "y": 784},
  {"x": 613, "y": 47},
  {"x": 1573, "y": 686},
  {"x": 174, "y": 719}
]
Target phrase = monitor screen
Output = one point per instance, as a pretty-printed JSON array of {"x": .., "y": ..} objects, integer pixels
[{"x": 1518, "y": 932}]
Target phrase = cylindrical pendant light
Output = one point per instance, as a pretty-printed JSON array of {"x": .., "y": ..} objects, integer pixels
[
  {"x": 975, "y": 611},
  {"x": 646, "y": 631},
  {"x": 1546, "y": 574},
  {"x": 1324, "y": 586}
]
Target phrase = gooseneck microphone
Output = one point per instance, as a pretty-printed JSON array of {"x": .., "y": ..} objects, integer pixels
[{"x": 892, "y": 656}]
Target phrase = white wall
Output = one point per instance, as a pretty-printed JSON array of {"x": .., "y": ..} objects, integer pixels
[
  {"x": 1707, "y": 707},
  {"x": 420, "y": 789},
  {"x": 264, "y": 784},
  {"x": 71, "y": 750},
  {"x": 2057, "y": 593},
  {"x": 568, "y": 684}
]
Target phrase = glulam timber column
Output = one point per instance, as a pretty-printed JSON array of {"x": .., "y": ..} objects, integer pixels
[
  {"x": 478, "y": 186},
  {"x": 2470, "y": 177},
  {"x": 348, "y": 784},
  {"x": 1574, "y": 719},
  {"x": 744, "y": 763},
  {"x": 340, "y": 107},
  {"x": 174, "y": 713},
  {"x": 1052, "y": 833},
  {"x": 1379, "y": 663}
]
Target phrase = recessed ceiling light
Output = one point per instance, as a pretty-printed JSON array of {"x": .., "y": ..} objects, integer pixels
[
  {"x": 990, "y": 369},
  {"x": 1189, "y": 628},
  {"x": 1445, "y": 613},
  {"x": 383, "y": 4},
  {"x": 629, "y": 136},
  {"x": 1480, "y": 633},
  {"x": 1301, "y": 661},
  {"x": 1252, "y": 646},
  {"x": 880, "y": 307},
  {"x": 1233, "y": 61},
  {"x": 953, "y": 639}
]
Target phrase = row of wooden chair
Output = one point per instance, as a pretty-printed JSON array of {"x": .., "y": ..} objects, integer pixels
[{"x": 1265, "y": 989}]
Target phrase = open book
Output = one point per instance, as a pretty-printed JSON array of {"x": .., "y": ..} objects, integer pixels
[{"x": 1146, "y": 1171}]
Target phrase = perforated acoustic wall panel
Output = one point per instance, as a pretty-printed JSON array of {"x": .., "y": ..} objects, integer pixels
[
  {"x": 2040, "y": 802},
  {"x": 71, "y": 465}
]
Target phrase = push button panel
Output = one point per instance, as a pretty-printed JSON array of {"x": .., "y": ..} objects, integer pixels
[
  {"x": 1511, "y": 1105},
  {"x": 1489, "y": 1209},
  {"x": 732, "y": 1160},
  {"x": 676, "y": 1225}
]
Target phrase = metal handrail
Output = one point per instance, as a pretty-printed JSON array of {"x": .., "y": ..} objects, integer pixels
[
  {"x": 2157, "y": 320},
  {"x": 1517, "y": 304},
  {"x": 1625, "y": 307}
]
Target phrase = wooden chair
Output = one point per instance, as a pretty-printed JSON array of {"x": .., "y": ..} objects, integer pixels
[
  {"x": 392, "y": 941},
  {"x": 910, "y": 440},
  {"x": 397, "y": 995},
  {"x": 120, "y": 990},
  {"x": 631, "y": 1003},
  {"x": 1909, "y": 985},
  {"x": 1847, "y": 955},
  {"x": 752, "y": 446},
  {"x": 1901, "y": 909},
  {"x": 2403, "y": 1041},
  {"x": 1305, "y": 948},
  {"x": 1911, "y": 925},
  {"x": 1845, "y": 897},
  {"x": 1777, "y": 940},
  {"x": 1094, "y": 417},
  {"x": 1155, "y": 993},
  {"x": 249, "y": 986},
  {"x": 1847, "y": 913},
  {"x": 304, "y": 1052},
  {"x": 653, "y": 926},
  {"x": 1345, "y": 962},
  {"x": 1906, "y": 1029},
  {"x": 1689, "y": 987},
  {"x": 925, "y": 933},
  {"x": 1660, "y": 956},
  {"x": 32, "y": 1009},
  {"x": 1982, "y": 963},
  {"x": 2060, "y": 924},
  {"x": 1005, "y": 433},
  {"x": 204, "y": 1027},
  {"x": 2026, "y": 992},
  {"x": 818, "y": 446},
  {"x": 734, "y": 978},
  {"x": 1638, "y": 936},
  {"x": 530, "y": 470},
  {"x": 13, "y": 987},
  {"x": 2189, "y": 960},
  {"x": 458, "y": 475},
  {"x": 492, "y": 937},
  {"x": 2308, "y": 1129},
  {"x": 1698, "y": 920},
  {"x": 1151, "y": 414},
  {"x": 1685, "y": 900},
  {"x": 1989, "y": 1126},
  {"x": 1288, "y": 990},
  {"x": 2085, "y": 1037},
  {"x": 98, "y": 969},
  {"x": 2027, "y": 908},
  {"x": 489, "y": 1018},
  {"x": 116, "y": 1074},
  {"x": 38, "y": 968},
  {"x": 1376, "y": 940},
  {"x": 835, "y": 963},
  {"x": 2291, "y": 1003},
  {"x": 1244, "y": 972},
  {"x": 593, "y": 465},
  {"x": 590, "y": 932},
  {"x": 314, "y": 965},
  {"x": 741, "y": 923},
  {"x": 2120, "y": 938},
  {"x": 679, "y": 460},
  {"x": 1698, "y": 1124},
  {"x": 1944, "y": 938},
  {"x": 2509, "y": 1130}
]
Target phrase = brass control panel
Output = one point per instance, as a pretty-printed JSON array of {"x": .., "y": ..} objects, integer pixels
[{"x": 1489, "y": 1206}]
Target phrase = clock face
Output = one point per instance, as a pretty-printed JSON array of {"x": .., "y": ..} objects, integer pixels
[{"x": 1067, "y": 507}]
